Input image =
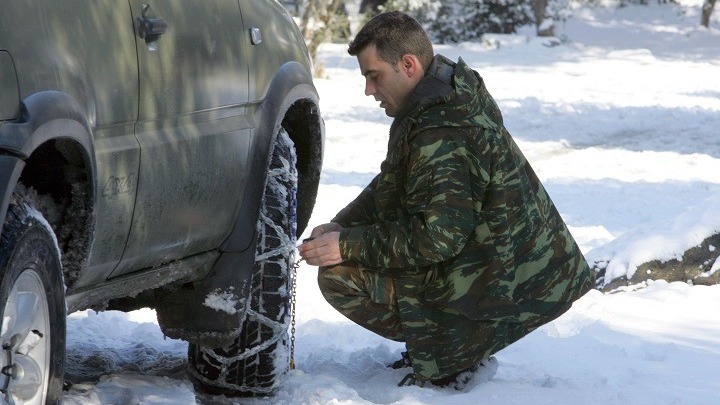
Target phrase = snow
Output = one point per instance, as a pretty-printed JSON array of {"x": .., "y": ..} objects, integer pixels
[
  {"x": 664, "y": 239},
  {"x": 619, "y": 120},
  {"x": 225, "y": 301}
]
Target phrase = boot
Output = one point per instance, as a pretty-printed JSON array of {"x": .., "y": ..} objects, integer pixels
[{"x": 402, "y": 363}]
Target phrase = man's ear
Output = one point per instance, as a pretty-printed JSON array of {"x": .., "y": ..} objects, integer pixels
[{"x": 411, "y": 66}]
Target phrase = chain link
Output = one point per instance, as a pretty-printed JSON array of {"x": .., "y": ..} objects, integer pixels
[{"x": 293, "y": 308}]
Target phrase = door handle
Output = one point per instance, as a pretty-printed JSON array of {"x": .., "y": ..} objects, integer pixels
[{"x": 150, "y": 28}]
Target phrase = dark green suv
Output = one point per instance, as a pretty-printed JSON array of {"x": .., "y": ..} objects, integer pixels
[{"x": 161, "y": 154}]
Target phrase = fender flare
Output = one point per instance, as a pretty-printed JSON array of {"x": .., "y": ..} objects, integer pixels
[
  {"x": 45, "y": 116},
  {"x": 290, "y": 84}
]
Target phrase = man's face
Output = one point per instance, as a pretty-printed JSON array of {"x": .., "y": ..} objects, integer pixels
[{"x": 389, "y": 84}]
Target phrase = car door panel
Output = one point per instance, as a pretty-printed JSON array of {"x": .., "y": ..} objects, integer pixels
[{"x": 192, "y": 129}]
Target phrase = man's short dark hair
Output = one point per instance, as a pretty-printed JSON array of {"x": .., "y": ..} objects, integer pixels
[{"x": 394, "y": 34}]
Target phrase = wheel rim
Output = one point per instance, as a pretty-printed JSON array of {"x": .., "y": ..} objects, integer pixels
[{"x": 25, "y": 337}]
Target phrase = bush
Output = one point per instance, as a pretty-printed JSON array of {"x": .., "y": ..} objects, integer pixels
[{"x": 467, "y": 20}]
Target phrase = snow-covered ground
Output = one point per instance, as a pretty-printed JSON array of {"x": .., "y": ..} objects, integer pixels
[{"x": 621, "y": 123}]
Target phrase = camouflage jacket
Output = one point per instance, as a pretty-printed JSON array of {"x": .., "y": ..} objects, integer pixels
[{"x": 460, "y": 220}]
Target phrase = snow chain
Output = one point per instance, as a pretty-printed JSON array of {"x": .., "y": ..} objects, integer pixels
[{"x": 293, "y": 307}]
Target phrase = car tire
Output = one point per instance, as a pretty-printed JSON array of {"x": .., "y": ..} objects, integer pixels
[
  {"x": 256, "y": 362},
  {"x": 32, "y": 301}
]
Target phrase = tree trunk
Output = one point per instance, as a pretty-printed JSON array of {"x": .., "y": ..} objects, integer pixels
[
  {"x": 318, "y": 24},
  {"x": 544, "y": 24},
  {"x": 707, "y": 10}
]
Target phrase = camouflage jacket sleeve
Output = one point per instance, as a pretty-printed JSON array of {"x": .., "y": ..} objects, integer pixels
[
  {"x": 431, "y": 191},
  {"x": 359, "y": 211}
]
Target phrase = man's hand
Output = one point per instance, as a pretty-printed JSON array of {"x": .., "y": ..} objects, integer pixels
[{"x": 323, "y": 248}]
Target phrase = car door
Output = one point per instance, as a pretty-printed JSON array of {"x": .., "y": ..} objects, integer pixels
[
  {"x": 89, "y": 53},
  {"x": 192, "y": 128}
]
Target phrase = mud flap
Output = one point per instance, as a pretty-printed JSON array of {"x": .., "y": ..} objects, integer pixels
[{"x": 209, "y": 312}]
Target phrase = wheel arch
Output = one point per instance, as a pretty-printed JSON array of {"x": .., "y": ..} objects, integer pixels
[
  {"x": 49, "y": 152},
  {"x": 293, "y": 103}
]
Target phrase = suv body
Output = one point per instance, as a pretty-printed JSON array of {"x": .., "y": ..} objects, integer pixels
[{"x": 142, "y": 133}]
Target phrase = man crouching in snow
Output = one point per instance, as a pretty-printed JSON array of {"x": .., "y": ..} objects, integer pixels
[{"x": 455, "y": 248}]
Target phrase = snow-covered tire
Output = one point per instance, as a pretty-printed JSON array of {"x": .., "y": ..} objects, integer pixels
[
  {"x": 32, "y": 301},
  {"x": 256, "y": 362}
]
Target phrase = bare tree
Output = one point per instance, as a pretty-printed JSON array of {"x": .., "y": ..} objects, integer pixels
[
  {"x": 544, "y": 28},
  {"x": 707, "y": 10},
  {"x": 323, "y": 20}
]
